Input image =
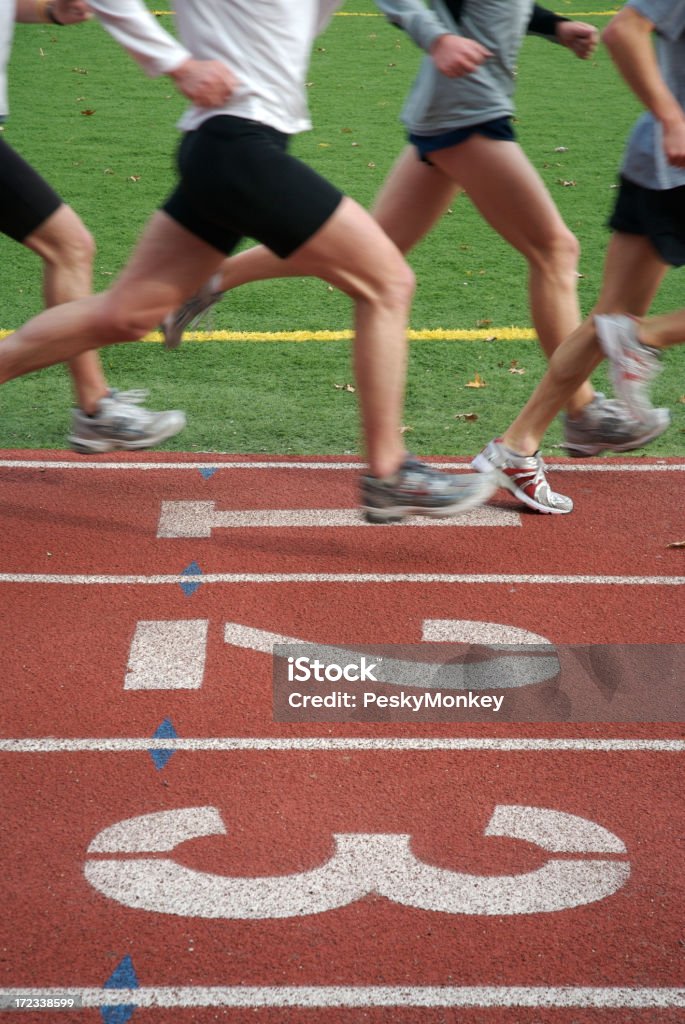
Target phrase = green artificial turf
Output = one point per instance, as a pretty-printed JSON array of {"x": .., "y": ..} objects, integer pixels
[{"x": 104, "y": 136}]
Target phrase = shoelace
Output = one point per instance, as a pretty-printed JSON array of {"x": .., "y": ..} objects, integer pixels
[{"x": 134, "y": 397}]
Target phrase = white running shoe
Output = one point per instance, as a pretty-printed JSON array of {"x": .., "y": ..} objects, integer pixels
[
  {"x": 188, "y": 315},
  {"x": 524, "y": 476},
  {"x": 633, "y": 365},
  {"x": 121, "y": 422},
  {"x": 418, "y": 489},
  {"x": 606, "y": 424}
]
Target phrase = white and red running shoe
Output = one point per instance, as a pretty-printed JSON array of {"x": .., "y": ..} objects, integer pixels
[{"x": 524, "y": 476}]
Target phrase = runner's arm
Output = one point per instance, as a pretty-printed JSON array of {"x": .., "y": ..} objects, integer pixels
[
  {"x": 578, "y": 36},
  {"x": 208, "y": 83},
  {"x": 57, "y": 12},
  {"x": 454, "y": 55},
  {"x": 628, "y": 38}
]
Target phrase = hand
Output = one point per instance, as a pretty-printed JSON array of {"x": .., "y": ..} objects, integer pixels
[
  {"x": 455, "y": 56},
  {"x": 674, "y": 142},
  {"x": 208, "y": 83},
  {"x": 579, "y": 37},
  {"x": 70, "y": 12}
]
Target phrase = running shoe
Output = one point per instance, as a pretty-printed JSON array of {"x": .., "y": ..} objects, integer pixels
[
  {"x": 523, "y": 475},
  {"x": 418, "y": 489},
  {"x": 607, "y": 425},
  {"x": 633, "y": 365},
  {"x": 188, "y": 315},
  {"x": 121, "y": 421}
]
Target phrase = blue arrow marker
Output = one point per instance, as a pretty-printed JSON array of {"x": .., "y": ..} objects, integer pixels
[
  {"x": 165, "y": 731},
  {"x": 123, "y": 976},
  {"x": 209, "y": 471},
  {"x": 192, "y": 571}
]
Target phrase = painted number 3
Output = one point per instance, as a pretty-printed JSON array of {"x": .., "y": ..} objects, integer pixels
[{"x": 361, "y": 864}]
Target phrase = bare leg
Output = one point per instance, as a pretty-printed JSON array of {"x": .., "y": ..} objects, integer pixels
[
  {"x": 66, "y": 249},
  {"x": 168, "y": 265},
  {"x": 351, "y": 252},
  {"x": 508, "y": 192},
  {"x": 663, "y": 331},
  {"x": 632, "y": 275},
  {"x": 413, "y": 198}
]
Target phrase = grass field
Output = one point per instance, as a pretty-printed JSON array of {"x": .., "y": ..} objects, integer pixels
[{"x": 104, "y": 136}]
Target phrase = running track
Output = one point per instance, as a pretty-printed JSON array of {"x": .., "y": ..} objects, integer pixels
[{"x": 173, "y": 854}]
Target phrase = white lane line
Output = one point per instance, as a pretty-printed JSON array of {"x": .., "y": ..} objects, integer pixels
[
  {"x": 364, "y": 996},
  {"x": 167, "y": 655},
  {"x": 54, "y": 745},
  {"x": 82, "y": 580},
  {"x": 199, "y": 518},
  {"x": 581, "y": 467}
]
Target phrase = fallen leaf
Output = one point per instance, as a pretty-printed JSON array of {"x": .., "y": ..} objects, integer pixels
[
  {"x": 561, "y": 149},
  {"x": 345, "y": 387},
  {"x": 87, "y": 113},
  {"x": 483, "y": 323},
  {"x": 470, "y": 417},
  {"x": 682, "y": 399},
  {"x": 514, "y": 367},
  {"x": 676, "y": 544},
  {"x": 477, "y": 382},
  {"x": 406, "y": 430},
  {"x": 566, "y": 183}
]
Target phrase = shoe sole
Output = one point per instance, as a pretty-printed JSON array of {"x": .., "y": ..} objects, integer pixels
[
  {"x": 397, "y": 513},
  {"x": 613, "y": 350},
  {"x": 483, "y": 465}
]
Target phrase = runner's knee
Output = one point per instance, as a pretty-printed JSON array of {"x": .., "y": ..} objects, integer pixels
[
  {"x": 66, "y": 244},
  {"x": 120, "y": 318},
  {"x": 394, "y": 289},
  {"x": 559, "y": 253}
]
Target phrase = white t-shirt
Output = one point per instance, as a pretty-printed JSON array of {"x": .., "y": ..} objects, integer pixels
[{"x": 266, "y": 44}]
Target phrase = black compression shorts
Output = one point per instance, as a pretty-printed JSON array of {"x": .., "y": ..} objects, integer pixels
[
  {"x": 26, "y": 200},
  {"x": 237, "y": 180},
  {"x": 658, "y": 215}
]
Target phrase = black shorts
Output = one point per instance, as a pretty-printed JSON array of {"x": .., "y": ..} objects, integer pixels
[
  {"x": 657, "y": 215},
  {"x": 26, "y": 200},
  {"x": 500, "y": 128},
  {"x": 237, "y": 180}
]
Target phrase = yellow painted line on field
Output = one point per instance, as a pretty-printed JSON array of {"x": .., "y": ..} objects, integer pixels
[
  {"x": 428, "y": 334},
  {"x": 434, "y": 334}
]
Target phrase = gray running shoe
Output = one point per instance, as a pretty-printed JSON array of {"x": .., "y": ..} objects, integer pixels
[
  {"x": 607, "y": 425},
  {"x": 418, "y": 489},
  {"x": 633, "y": 365},
  {"x": 188, "y": 315},
  {"x": 122, "y": 422},
  {"x": 523, "y": 475}
]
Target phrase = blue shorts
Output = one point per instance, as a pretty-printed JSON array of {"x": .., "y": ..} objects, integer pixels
[{"x": 500, "y": 129}]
